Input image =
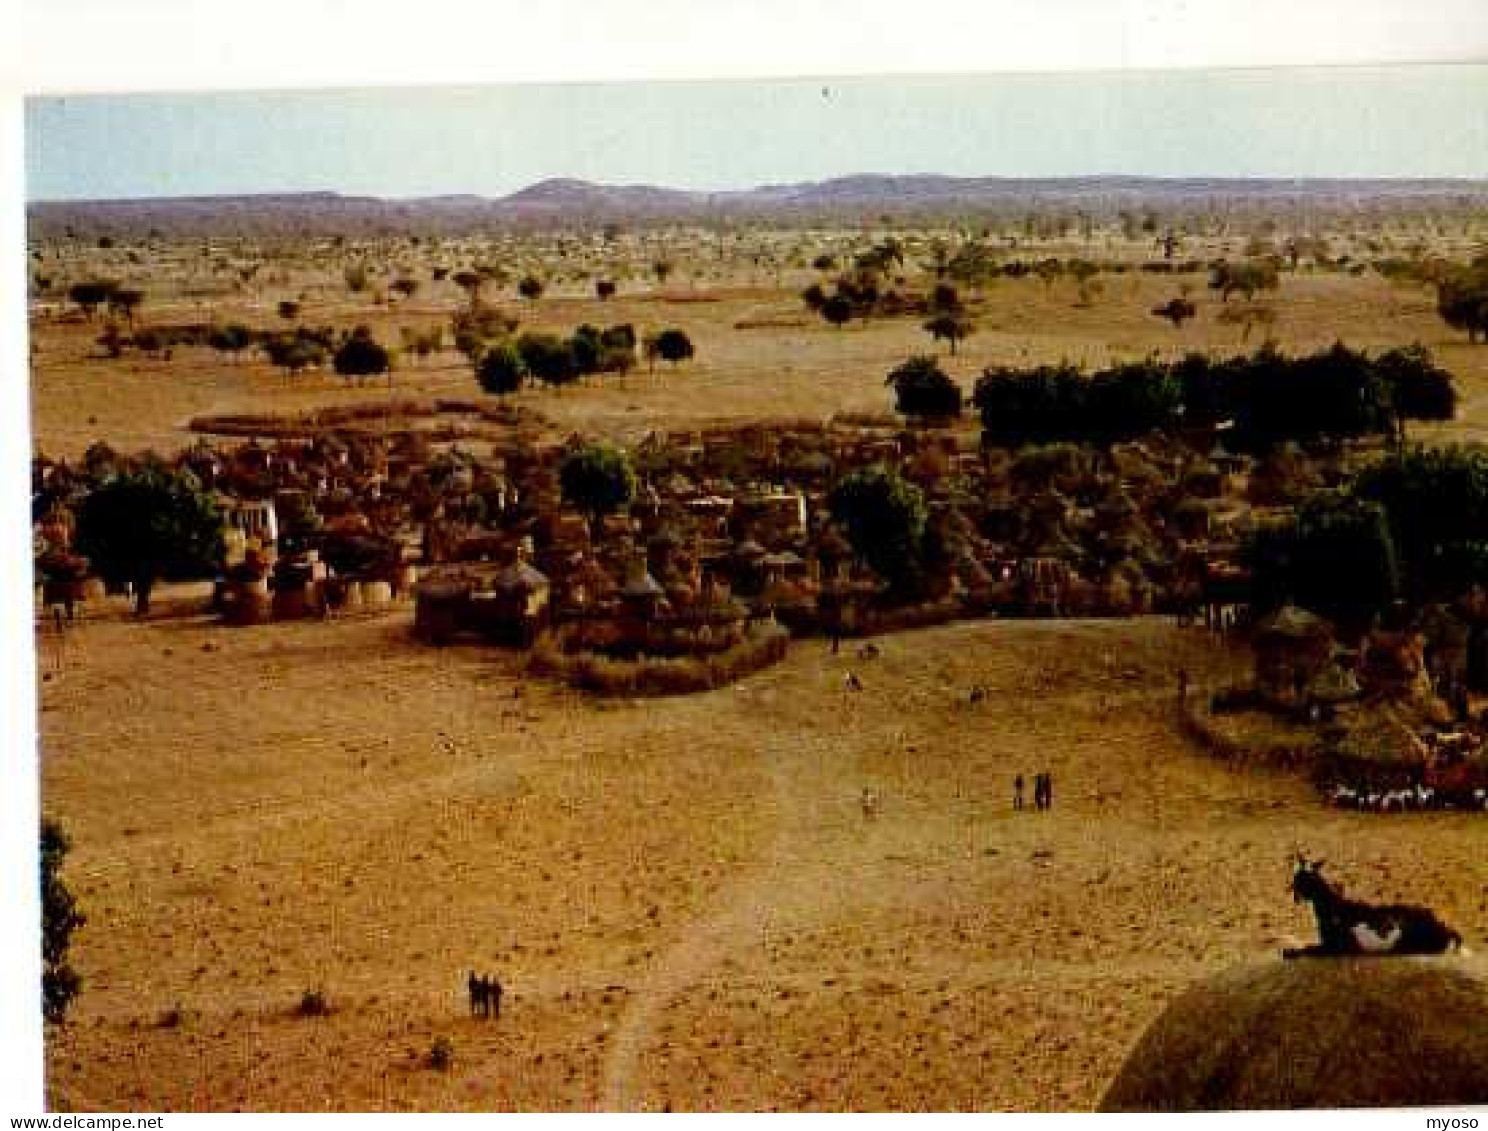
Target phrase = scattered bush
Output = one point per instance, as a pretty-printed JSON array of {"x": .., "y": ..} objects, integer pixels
[
  {"x": 313, "y": 1003},
  {"x": 172, "y": 1018},
  {"x": 360, "y": 355},
  {"x": 441, "y": 1054}
]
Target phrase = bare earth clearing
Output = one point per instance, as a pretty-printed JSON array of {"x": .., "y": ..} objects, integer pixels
[{"x": 684, "y": 897}]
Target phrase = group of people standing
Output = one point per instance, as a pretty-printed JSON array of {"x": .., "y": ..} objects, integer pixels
[
  {"x": 485, "y": 995},
  {"x": 1043, "y": 791}
]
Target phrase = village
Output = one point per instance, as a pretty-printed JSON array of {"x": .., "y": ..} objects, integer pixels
[{"x": 728, "y": 548}]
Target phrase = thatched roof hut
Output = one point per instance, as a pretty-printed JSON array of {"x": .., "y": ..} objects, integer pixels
[
  {"x": 1291, "y": 648},
  {"x": 1326, "y": 1033}
]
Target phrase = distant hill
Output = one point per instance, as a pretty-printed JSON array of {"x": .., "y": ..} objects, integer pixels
[{"x": 567, "y": 201}]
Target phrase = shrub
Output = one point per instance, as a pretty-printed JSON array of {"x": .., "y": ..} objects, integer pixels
[
  {"x": 360, "y": 355},
  {"x": 922, "y": 389},
  {"x": 60, "y": 917},
  {"x": 501, "y": 370},
  {"x": 313, "y": 1003},
  {"x": 172, "y": 1018},
  {"x": 441, "y": 1054}
]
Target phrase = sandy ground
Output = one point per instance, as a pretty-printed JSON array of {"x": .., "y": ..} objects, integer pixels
[{"x": 685, "y": 897}]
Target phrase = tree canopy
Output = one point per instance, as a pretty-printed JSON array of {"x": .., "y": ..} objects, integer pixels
[
  {"x": 1336, "y": 393},
  {"x": 361, "y": 355},
  {"x": 1462, "y": 298},
  {"x": 951, "y": 326},
  {"x": 674, "y": 346},
  {"x": 597, "y": 479},
  {"x": 141, "y": 526},
  {"x": 1436, "y": 500},
  {"x": 501, "y": 369},
  {"x": 91, "y": 295},
  {"x": 1247, "y": 277},
  {"x": 548, "y": 358},
  {"x": 884, "y": 517},
  {"x": 60, "y": 917},
  {"x": 922, "y": 389},
  {"x": 1335, "y": 556}
]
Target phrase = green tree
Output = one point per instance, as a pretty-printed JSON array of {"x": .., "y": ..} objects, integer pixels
[
  {"x": 501, "y": 370},
  {"x": 922, "y": 389},
  {"x": 837, "y": 309},
  {"x": 231, "y": 339},
  {"x": 597, "y": 479},
  {"x": 952, "y": 327},
  {"x": 1247, "y": 277},
  {"x": 294, "y": 352},
  {"x": 1335, "y": 557},
  {"x": 674, "y": 346},
  {"x": 1462, "y": 298},
  {"x": 470, "y": 282},
  {"x": 91, "y": 295},
  {"x": 360, "y": 355},
  {"x": 548, "y": 358},
  {"x": 884, "y": 517},
  {"x": 125, "y": 301},
  {"x": 1436, "y": 500},
  {"x": 141, "y": 526},
  {"x": 60, "y": 917},
  {"x": 1419, "y": 389}
]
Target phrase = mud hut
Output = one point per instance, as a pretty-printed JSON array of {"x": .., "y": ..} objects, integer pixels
[
  {"x": 440, "y": 606},
  {"x": 1291, "y": 648}
]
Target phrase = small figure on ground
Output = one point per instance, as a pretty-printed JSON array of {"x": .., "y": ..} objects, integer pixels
[
  {"x": 478, "y": 996},
  {"x": 1043, "y": 791},
  {"x": 1018, "y": 792}
]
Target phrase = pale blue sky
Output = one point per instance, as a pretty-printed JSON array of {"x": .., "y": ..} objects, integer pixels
[{"x": 1428, "y": 121}]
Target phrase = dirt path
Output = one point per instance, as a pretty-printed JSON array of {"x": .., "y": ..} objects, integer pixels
[{"x": 785, "y": 887}]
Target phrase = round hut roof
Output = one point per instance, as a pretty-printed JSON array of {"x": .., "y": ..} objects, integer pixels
[
  {"x": 749, "y": 548},
  {"x": 521, "y": 577},
  {"x": 1319, "y": 1033},
  {"x": 642, "y": 584},
  {"x": 441, "y": 589},
  {"x": 1293, "y": 623}
]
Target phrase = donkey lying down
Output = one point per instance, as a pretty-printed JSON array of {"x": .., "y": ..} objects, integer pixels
[{"x": 1347, "y": 927}]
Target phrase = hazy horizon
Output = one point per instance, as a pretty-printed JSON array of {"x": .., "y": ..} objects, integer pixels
[{"x": 1368, "y": 123}]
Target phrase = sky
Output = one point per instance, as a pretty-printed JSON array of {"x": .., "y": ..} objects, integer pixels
[{"x": 1404, "y": 121}]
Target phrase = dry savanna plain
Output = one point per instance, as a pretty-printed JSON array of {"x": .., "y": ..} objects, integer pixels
[{"x": 687, "y": 901}]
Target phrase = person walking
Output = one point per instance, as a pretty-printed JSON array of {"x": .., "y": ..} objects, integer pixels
[{"x": 1018, "y": 792}]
